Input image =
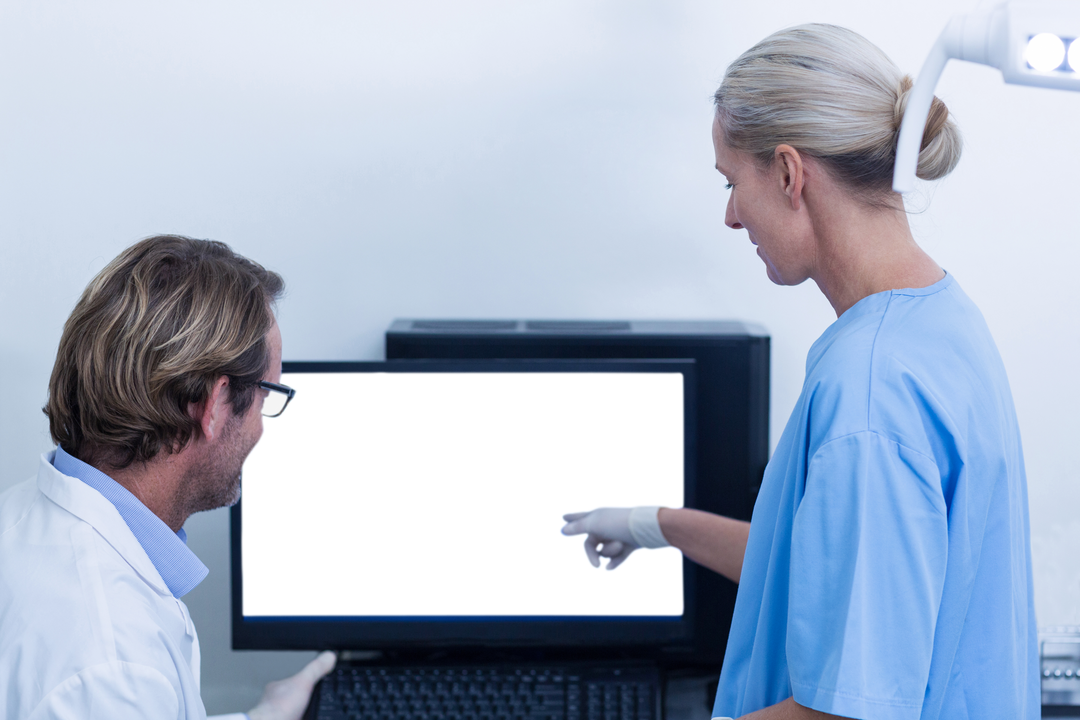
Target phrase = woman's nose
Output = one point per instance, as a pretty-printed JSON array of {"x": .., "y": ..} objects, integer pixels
[{"x": 729, "y": 217}]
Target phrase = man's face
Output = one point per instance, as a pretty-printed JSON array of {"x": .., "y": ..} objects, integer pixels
[{"x": 215, "y": 479}]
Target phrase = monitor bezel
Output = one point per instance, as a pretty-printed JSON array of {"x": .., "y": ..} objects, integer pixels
[{"x": 645, "y": 635}]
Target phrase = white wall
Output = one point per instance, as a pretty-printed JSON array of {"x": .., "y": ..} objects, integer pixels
[{"x": 487, "y": 159}]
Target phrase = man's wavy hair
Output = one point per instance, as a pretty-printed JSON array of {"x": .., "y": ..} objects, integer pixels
[{"x": 148, "y": 339}]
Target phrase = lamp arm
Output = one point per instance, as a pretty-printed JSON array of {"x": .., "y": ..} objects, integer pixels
[
  {"x": 994, "y": 37},
  {"x": 912, "y": 126}
]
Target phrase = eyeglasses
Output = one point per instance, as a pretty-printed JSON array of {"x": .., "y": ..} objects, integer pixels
[{"x": 277, "y": 398}]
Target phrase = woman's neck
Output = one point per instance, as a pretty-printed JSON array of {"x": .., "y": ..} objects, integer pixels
[{"x": 862, "y": 251}]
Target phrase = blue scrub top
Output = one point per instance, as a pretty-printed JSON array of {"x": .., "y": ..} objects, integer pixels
[{"x": 888, "y": 569}]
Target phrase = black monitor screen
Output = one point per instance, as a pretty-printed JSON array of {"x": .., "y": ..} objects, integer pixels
[{"x": 419, "y": 503}]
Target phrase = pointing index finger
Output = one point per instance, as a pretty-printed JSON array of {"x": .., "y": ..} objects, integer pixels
[{"x": 571, "y": 517}]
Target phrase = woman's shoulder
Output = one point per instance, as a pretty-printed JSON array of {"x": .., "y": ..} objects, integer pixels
[
  {"x": 938, "y": 336},
  {"x": 915, "y": 360},
  {"x": 922, "y": 328}
]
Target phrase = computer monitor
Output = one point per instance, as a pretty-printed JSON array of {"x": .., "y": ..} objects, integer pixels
[
  {"x": 732, "y": 422},
  {"x": 416, "y": 505}
]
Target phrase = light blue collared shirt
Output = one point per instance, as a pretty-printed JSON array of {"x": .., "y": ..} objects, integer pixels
[{"x": 178, "y": 566}]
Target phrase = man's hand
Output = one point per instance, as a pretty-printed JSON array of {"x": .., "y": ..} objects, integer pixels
[
  {"x": 287, "y": 699},
  {"x": 614, "y": 533}
]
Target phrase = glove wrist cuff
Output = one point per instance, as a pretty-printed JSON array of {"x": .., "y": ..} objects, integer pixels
[{"x": 644, "y": 525}]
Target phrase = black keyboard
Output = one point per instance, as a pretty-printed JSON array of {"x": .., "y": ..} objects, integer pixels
[{"x": 359, "y": 692}]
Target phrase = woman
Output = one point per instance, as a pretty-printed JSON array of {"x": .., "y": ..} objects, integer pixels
[{"x": 886, "y": 571}]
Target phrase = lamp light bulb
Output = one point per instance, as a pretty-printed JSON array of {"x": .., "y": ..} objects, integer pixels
[
  {"x": 1045, "y": 52},
  {"x": 1074, "y": 55}
]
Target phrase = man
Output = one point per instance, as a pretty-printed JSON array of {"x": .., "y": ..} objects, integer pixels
[{"x": 156, "y": 398}]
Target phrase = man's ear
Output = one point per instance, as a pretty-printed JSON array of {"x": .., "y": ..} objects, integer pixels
[
  {"x": 214, "y": 412},
  {"x": 789, "y": 164}
]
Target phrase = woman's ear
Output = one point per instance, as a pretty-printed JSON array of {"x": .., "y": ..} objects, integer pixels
[{"x": 789, "y": 164}]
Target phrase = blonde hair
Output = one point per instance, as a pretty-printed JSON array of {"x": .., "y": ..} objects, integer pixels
[
  {"x": 150, "y": 335},
  {"x": 831, "y": 93}
]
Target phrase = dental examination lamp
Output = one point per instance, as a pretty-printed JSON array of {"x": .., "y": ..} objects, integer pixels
[{"x": 1031, "y": 43}]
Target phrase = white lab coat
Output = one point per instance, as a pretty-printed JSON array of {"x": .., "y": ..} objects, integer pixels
[{"x": 88, "y": 628}]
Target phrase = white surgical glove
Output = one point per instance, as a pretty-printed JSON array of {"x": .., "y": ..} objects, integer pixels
[
  {"x": 614, "y": 533},
  {"x": 287, "y": 699}
]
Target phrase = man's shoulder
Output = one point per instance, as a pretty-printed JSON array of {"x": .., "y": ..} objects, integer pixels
[
  {"x": 16, "y": 502},
  {"x": 54, "y": 558},
  {"x": 51, "y": 557},
  {"x": 70, "y": 602}
]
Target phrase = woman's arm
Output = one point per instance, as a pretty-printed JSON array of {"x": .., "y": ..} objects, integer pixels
[
  {"x": 787, "y": 710},
  {"x": 717, "y": 542}
]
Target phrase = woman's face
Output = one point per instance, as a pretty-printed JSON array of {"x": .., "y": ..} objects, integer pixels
[{"x": 759, "y": 205}]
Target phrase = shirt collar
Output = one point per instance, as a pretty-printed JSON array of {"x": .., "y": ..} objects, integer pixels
[{"x": 168, "y": 551}]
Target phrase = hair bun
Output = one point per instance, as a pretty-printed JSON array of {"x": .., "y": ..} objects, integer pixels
[
  {"x": 935, "y": 120},
  {"x": 941, "y": 143},
  {"x": 901, "y": 101}
]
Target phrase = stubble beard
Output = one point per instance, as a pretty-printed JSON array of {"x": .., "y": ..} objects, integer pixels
[{"x": 214, "y": 482}]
